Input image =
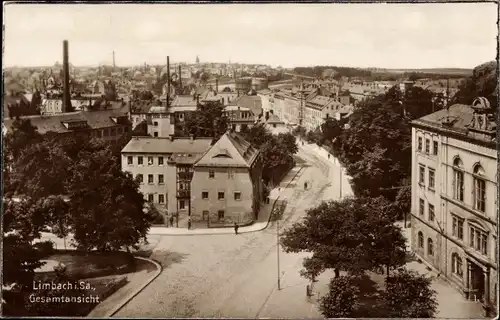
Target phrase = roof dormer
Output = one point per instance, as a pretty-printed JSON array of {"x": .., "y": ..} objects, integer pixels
[{"x": 75, "y": 124}]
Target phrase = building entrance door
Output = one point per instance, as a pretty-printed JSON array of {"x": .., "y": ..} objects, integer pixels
[{"x": 477, "y": 283}]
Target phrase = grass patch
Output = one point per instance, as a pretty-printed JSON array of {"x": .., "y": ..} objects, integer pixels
[{"x": 80, "y": 265}]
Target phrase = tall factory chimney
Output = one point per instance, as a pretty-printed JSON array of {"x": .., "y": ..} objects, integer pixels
[
  {"x": 216, "y": 85},
  {"x": 168, "y": 81},
  {"x": 66, "y": 105},
  {"x": 180, "y": 77},
  {"x": 114, "y": 65}
]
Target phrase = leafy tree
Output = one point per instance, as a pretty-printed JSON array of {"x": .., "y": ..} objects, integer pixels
[
  {"x": 106, "y": 205},
  {"x": 376, "y": 146},
  {"x": 22, "y": 134},
  {"x": 208, "y": 120},
  {"x": 331, "y": 129},
  {"x": 409, "y": 295},
  {"x": 403, "y": 198},
  {"x": 341, "y": 300},
  {"x": 351, "y": 235},
  {"x": 482, "y": 83},
  {"x": 22, "y": 223},
  {"x": 141, "y": 130},
  {"x": 288, "y": 141}
]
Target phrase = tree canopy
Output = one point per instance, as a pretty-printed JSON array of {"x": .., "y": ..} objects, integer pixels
[
  {"x": 351, "y": 235},
  {"x": 208, "y": 120},
  {"x": 409, "y": 295}
]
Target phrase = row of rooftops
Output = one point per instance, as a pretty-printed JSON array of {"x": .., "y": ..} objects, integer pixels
[
  {"x": 231, "y": 150},
  {"x": 67, "y": 122}
]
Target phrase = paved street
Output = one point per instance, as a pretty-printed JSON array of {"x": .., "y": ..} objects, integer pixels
[{"x": 235, "y": 275}]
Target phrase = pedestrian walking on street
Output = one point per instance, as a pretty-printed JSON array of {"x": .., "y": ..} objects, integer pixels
[
  {"x": 236, "y": 228},
  {"x": 305, "y": 185},
  {"x": 189, "y": 223},
  {"x": 171, "y": 220}
]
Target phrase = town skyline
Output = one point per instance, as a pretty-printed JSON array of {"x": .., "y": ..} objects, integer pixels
[{"x": 391, "y": 36}]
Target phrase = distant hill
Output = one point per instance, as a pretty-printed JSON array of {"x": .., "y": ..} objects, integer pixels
[{"x": 450, "y": 71}]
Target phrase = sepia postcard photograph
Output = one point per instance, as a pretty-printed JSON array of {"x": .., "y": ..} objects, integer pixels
[{"x": 250, "y": 160}]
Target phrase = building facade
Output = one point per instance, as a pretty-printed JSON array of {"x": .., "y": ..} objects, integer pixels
[
  {"x": 227, "y": 183},
  {"x": 454, "y": 197},
  {"x": 156, "y": 163}
]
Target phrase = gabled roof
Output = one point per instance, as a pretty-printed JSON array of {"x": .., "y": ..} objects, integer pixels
[{"x": 231, "y": 150}]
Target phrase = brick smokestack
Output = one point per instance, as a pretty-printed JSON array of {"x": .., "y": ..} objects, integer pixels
[
  {"x": 180, "y": 77},
  {"x": 66, "y": 89},
  {"x": 216, "y": 85},
  {"x": 168, "y": 81}
]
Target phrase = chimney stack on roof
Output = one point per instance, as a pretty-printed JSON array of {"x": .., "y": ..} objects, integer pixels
[
  {"x": 180, "y": 77},
  {"x": 216, "y": 85},
  {"x": 168, "y": 81},
  {"x": 66, "y": 105}
]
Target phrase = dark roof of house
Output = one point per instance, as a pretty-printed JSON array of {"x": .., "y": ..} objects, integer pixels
[{"x": 94, "y": 119}]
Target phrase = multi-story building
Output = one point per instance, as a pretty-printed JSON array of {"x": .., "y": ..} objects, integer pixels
[
  {"x": 157, "y": 162},
  {"x": 454, "y": 197},
  {"x": 109, "y": 125},
  {"x": 227, "y": 183},
  {"x": 239, "y": 118}
]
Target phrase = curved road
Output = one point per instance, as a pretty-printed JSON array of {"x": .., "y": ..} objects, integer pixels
[{"x": 235, "y": 275}]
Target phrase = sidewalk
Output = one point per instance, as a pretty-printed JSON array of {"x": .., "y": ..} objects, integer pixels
[
  {"x": 261, "y": 223},
  {"x": 136, "y": 282}
]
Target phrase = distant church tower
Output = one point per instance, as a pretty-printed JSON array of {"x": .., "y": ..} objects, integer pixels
[{"x": 197, "y": 60}]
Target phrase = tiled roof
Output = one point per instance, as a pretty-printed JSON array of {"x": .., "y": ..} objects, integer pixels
[
  {"x": 165, "y": 145},
  {"x": 231, "y": 150},
  {"x": 185, "y": 158},
  {"x": 94, "y": 119},
  {"x": 273, "y": 119}
]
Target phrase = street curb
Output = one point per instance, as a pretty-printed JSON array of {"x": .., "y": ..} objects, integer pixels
[
  {"x": 241, "y": 232},
  {"x": 139, "y": 290}
]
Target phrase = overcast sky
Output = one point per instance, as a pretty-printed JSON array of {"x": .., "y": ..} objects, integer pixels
[{"x": 360, "y": 35}]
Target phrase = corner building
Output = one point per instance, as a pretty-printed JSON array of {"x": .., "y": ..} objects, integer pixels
[{"x": 454, "y": 203}]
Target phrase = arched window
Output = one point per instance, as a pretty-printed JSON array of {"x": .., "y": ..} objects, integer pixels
[
  {"x": 458, "y": 179},
  {"x": 456, "y": 264},
  {"x": 420, "y": 240},
  {"x": 479, "y": 189},
  {"x": 430, "y": 247}
]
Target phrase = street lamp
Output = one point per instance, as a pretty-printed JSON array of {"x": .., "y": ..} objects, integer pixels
[{"x": 278, "y": 250}]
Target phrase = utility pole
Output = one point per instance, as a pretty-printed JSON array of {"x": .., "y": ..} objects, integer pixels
[
  {"x": 340, "y": 177},
  {"x": 278, "y": 250}
]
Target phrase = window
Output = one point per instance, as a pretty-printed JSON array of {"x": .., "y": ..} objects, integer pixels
[
  {"x": 130, "y": 160},
  {"x": 427, "y": 146},
  {"x": 211, "y": 173},
  {"x": 204, "y": 195},
  {"x": 456, "y": 264},
  {"x": 435, "y": 148},
  {"x": 431, "y": 212},
  {"x": 160, "y": 161},
  {"x": 220, "y": 214},
  {"x": 237, "y": 196},
  {"x": 432, "y": 174},
  {"x": 430, "y": 247},
  {"x": 420, "y": 240},
  {"x": 155, "y": 134},
  {"x": 419, "y": 143},
  {"x": 155, "y": 124},
  {"x": 150, "y": 161},
  {"x": 421, "y": 174},
  {"x": 161, "y": 198},
  {"x": 150, "y": 178},
  {"x": 479, "y": 191},
  {"x": 220, "y": 195},
  {"x": 182, "y": 204},
  {"x": 151, "y": 197},
  {"x": 458, "y": 227},
  {"x": 139, "y": 160},
  {"x": 458, "y": 180},
  {"x": 113, "y": 132},
  {"x": 230, "y": 173},
  {"x": 421, "y": 206},
  {"x": 160, "y": 179},
  {"x": 478, "y": 239},
  {"x": 140, "y": 178}
]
